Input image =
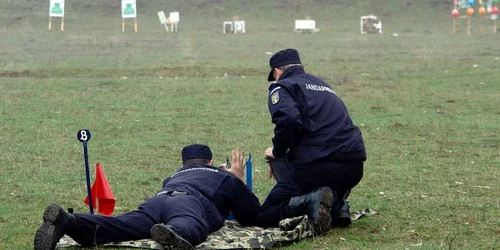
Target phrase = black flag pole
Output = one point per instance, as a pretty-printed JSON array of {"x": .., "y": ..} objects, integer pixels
[{"x": 83, "y": 136}]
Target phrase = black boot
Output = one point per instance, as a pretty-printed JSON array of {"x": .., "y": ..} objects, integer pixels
[
  {"x": 316, "y": 205},
  {"x": 165, "y": 235},
  {"x": 56, "y": 222},
  {"x": 341, "y": 215}
]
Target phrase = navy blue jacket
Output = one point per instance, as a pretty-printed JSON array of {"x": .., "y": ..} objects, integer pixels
[
  {"x": 220, "y": 192},
  {"x": 311, "y": 121}
]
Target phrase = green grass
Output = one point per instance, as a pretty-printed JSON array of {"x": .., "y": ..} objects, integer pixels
[{"x": 429, "y": 117}]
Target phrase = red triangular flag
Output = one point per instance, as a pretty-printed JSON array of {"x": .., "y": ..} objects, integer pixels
[{"x": 101, "y": 194}]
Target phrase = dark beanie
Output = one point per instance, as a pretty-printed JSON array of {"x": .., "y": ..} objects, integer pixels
[
  {"x": 196, "y": 151},
  {"x": 282, "y": 58}
]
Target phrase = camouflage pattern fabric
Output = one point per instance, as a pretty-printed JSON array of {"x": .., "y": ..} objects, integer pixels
[{"x": 234, "y": 236}]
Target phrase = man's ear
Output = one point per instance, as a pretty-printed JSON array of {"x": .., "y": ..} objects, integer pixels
[
  {"x": 277, "y": 73},
  {"x": 211, "y": 162}
]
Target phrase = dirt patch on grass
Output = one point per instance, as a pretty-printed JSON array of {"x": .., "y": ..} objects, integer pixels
[
  {"x": 195, "y": 71},
  {"x": 15, "y": 74}
]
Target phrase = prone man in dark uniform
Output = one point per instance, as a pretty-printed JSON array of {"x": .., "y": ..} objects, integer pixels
[
  {"x": 194, "y": 202},
  {"x": 316, "y": 146}
]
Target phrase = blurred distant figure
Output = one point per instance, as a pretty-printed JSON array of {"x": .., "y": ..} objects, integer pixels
[
  {"x": 56, "y": 9},
  {"x": 128, "y": 10}
]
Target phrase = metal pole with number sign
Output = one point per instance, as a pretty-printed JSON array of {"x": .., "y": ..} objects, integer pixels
[{"x": 83, "y": 136}]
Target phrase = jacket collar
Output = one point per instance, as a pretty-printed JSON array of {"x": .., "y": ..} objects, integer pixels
[{"x": 292, "y": 71}]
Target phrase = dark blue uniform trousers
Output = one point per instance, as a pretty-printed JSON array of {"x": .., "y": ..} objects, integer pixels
[
  {"x": 184, "y": 212},
  {"x": 339, "y": 176}
]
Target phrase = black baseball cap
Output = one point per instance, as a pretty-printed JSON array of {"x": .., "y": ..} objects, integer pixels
[
  {"x": 282, "y": 58},
  {"x": 196, "y": 151}
]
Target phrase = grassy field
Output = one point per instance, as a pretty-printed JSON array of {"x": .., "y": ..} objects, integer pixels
[{"x": 427, "y": 102}]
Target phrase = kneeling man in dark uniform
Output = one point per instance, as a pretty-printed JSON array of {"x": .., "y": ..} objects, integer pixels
[
  {"x": 194, "y": 202},
  {"x": 318, "y": 153}
]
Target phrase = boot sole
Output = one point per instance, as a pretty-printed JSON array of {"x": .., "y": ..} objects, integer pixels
[
  {"x": 323, "y": 224},
  {"x": 166, "y": 237},
  {"x": 45, "y": 238},
  {"x": 341, "y": 222}
]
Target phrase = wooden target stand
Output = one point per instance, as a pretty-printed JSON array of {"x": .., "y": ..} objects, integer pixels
[
  {"x": 495, "y": 26},
  {"x": 62, "y": 22},
  {"x": 470, "y": 13},
  {"x": 135, "y": 24},
  {"x": 494, "y": 16}
]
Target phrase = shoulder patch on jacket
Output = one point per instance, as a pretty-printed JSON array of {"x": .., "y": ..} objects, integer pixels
[{"x": 275, "y": 97}]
